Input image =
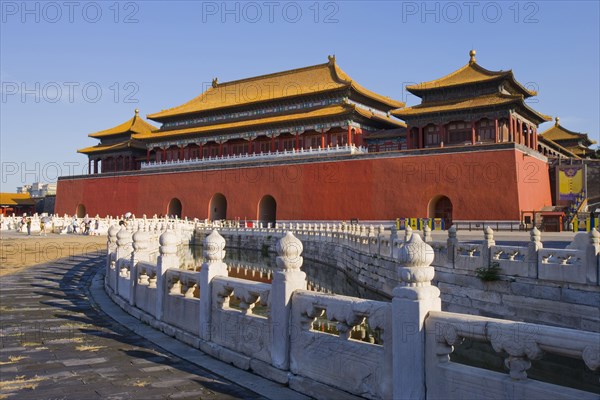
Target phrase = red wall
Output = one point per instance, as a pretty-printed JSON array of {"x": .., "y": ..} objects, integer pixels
[{"x": 482, "y": 185}]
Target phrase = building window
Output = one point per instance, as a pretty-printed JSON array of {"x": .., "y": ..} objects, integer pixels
[
  {"x": 239, "y": 148},
  {"x": 432, "y": 136},
  {"x": 486, "y": 131},
  {"x": 264, "y": 146},
  {"x": 288, "y": 143},
  {"x": 459, "y": 133}
]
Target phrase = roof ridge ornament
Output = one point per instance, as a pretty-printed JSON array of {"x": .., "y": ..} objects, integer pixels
[
  {"x": 137, "y": 112},
  {"x": 215, "y": 82},
  {"x": 331, "y": 59},
  {"x": 472, "y": 54},
  {"x": 556, "y": 121}
]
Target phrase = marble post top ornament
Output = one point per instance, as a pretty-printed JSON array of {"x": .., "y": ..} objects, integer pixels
[
  {"x": 141, "y": 240},
  {"x": 168, "y": 243},
  {"x": 214, "y": 247},
  {"x": 123, "y": 237},
  {"x": 112, "y": 233},
  {"x": 289, "y": 249}
]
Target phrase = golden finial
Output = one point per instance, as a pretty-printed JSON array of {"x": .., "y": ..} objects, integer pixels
[
  {"x": 557, "y": 121},
  {"x": 472, "y": 54},
  {"x": 215, "y": 82},
  {"x": 137, "y": 112},
  {"x": 331, "y": 59}
]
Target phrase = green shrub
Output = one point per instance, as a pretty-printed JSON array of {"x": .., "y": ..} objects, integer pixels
[{"x": 488, "y": 274}]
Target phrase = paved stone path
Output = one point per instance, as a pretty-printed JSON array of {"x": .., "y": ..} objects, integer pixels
[{"x": 56, "y": 344}]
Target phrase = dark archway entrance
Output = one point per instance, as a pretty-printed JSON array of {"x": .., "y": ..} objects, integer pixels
[
  {"x": 267, "y": 210},
  {"x": 217, "y": 208},
  {"x": 441, "y": 207},
  {"x": 174, "y": 208},
  {"x": 80, "y": 212}
]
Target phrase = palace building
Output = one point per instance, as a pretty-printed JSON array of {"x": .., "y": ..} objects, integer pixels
[{"x": 313, "y": 144}]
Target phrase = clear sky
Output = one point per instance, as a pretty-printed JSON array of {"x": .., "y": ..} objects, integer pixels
[{"x": 70, "y": 68}]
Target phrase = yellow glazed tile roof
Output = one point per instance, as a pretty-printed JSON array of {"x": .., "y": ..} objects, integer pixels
[
  {"x": 470, "y": 73},
  {"x": 460, "y": 104},
  {"x": 557, "y": 132},
  {"x": 550, "y": 142},
  {"x": 100, "y": 148},
  {"x": 15, "y": 199},
  {"x": 280, "y": 85},
  {"x": 133, "y": 125},
  {"x": 330, "y": 111}
]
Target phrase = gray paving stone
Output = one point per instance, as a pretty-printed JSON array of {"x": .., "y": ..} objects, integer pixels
[{"x": 78, "y": 352}]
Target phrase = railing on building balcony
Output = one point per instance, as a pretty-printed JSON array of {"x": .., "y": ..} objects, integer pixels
[{"x": 337, "y": 150}]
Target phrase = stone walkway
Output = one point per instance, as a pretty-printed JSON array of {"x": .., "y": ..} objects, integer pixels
[{"x": 57, "y": 344}]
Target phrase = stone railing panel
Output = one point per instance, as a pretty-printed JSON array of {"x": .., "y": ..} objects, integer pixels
[
  {"x": 243, "y": 327},
  {"x": 182, "y": 303},
  {"x": 513, "y": 260},
  {"x": 145, "y": 291},
  {"x": 562, "y": 265},
  {"x": 357, "y": 367},
  {"x": 520, "y": 342}
]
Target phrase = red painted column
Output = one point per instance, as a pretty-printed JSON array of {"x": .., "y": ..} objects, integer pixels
[
  {"x": 297, "y": 145},
  {"x": 472, "y": 132},
  {"x": 322, "y": 138},
  {"x": 535, "y": 139},
  {"x": 250, "y": 146},
  {"x": 164, "y": 154},
  {"x": 420, "y": 137},
  {"x": 147, "y": 155},
  {"x": 495, "y": 130},
  {"x": 96, "y": 166},
  {"x": 220, "y": 149},
  {"x": 349, "y": 142},
  {"x": 510, "y": 128},
  {"x": 201, "y": 151},
  {"x": 89, "y": 166},
  {"x": 181, "y": 152},
  {"x": 521, "y": 132},
  {"x": 273, "y": 144},
  {"x": 442, "y": 134},
  {"x": 408, "y": 140}
]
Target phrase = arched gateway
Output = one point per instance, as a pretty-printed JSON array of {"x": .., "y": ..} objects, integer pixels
[
  {"x": 217, "y": 208},
  {"x": 174, "y": 208},
  {"x": 267, "y": 210},
  {"x": 80, "y": 212},
  {"x": 441, "y": 207}
]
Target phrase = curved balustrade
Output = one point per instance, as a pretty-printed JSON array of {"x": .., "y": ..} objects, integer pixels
[{"x": 312, "y": 341}]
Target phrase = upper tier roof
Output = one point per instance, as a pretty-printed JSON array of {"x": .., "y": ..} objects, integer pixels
[
  {"x": 469, "y": 74},
  {"x": 557, "y": 133},
  {"x": 131, "y": 126},
  {"x": 308, "y": 80}
]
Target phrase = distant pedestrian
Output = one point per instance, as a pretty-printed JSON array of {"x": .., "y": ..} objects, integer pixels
[{"x": 28, "y": 226}]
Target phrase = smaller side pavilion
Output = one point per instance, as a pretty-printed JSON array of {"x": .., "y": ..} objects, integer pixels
[{"x": 118, "y": 150}]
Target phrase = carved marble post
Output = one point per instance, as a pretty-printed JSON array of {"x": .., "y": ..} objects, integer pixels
[
  {"x": 141, "y": 252},
  {"x": 124, "y": 250},
  {"x": 488, "y": 242},
  {"x": 111, "y": 251},
  {"x": 427, "y": 234},
  {"x": 535, "y": 244},
  {"x": 592, "y": 257},
  {"x": 412, "y": 301},
  {"x": 286, "y": 279},
  {"x": 451, "y": 244},
  {"x": 214, "y": 252},
  {"x": 167, "y": 259}
]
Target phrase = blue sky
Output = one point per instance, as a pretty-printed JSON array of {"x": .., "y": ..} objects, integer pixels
[{"x": 72, "y": 68}]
